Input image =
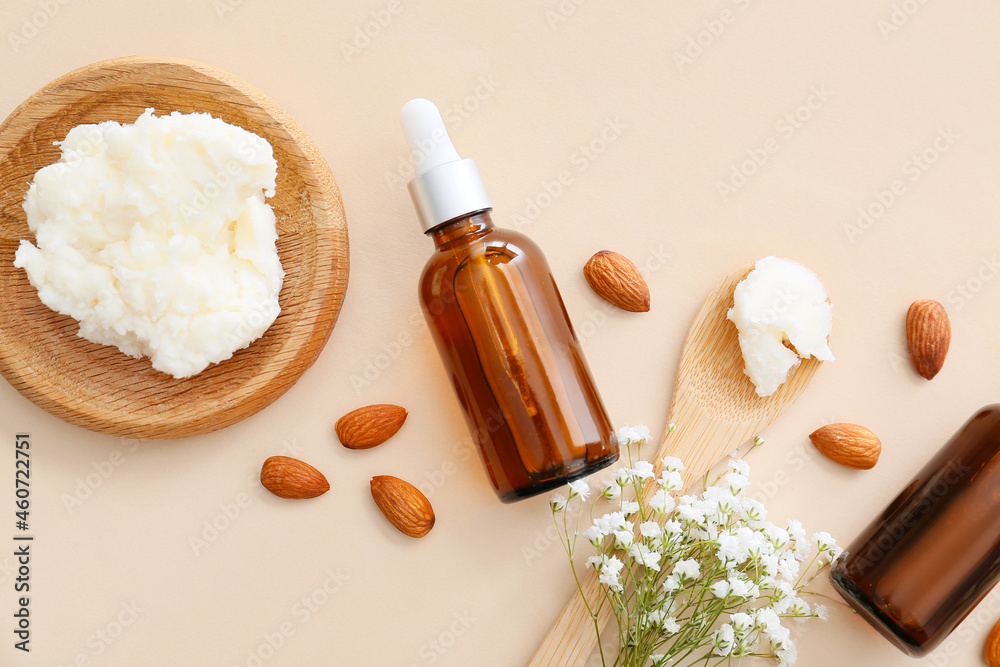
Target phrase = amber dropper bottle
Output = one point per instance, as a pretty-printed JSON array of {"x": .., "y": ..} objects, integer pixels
[
  {"x": 934, "y": 552},
  {"x": 501, "y": 328}
]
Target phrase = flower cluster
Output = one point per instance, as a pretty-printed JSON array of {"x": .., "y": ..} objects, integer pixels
[{"x": 694, "y": 576}]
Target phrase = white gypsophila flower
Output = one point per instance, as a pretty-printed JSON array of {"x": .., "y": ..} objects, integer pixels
[
  {"x": 723, "y": 640},
  {"x": 768, "y": 565},
  {"x": 766, "y": 618},
  {"x": 737, "y": 546},
  {"x": 783, "y": 594},
  {"x": 743, "y": 588},
  {"x": 671, "y": 584},
  {"x": 610, "y": 522},
  {"x": 689, "y": 513},
  {"x": 755, "y": 512},
  {"x": 823, "y": 540},
  {"x": 594, "y": 535},
  {"x": 737, "y": 482},
  {"x": 800, "y": 545},
  {"x": 753, "y": 541},
  {"x": 672, "y": 464},
  {"x": 662, "y": 502},
  {"x": 687, "y": 569},
  {"x": 742, "y": 624},
  {"x": 780, "y": 638},
  {"x": 720, "y": 589},
  {"x": 729, "y": 547},
  {"x": 789, "y": 566},
  {"x": 642, "y": 470},
  {"x": 670, "y": 480},
  {"x": 579, "y": 487},
  {"x": 719, "y": 500},
  {"x": 653, "y": 618},
  {"x": 739, "y": 466},
  {"x": 610, "y": 570},
  {"x": 634, "y": 435},
  {"x": 799, "y": 607},
  {"x": 623, "y": 539},
  {"x": 629, "y": 507},
  {"x": 822, "y": 613},
  {"x": 557, "y": 502},
  {"x": 828, "y": 549},
  {"x": 611, "y": 491},
  {"x": 698, "y": 534},
  {"x": 769, "y": 622},
  {"x": 671, "y": 626},
  {"x": 787, "y": 656},
  {"x": 779, "y": 536},
  {"x": 645, "y": 556},
  {"x": 596, "y": 562},
  {"x": 650, "y": 529},
  {"x": 622, "y": 477},
  {"x": 673, "y": 527}
]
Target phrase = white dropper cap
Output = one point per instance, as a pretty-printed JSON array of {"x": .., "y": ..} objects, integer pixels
[{"x": 446, "y": 187}]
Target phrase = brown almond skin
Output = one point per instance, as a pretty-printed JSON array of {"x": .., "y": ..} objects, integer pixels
[
  {"x": 991, "y": 653},
  {"x": 928, "y": 336},
  {"x": 370, "y": 426},
  {"x": 851, "y": 445},
  {"x": 291, "y": 478},
  {"x": 617, "y": 280},
  {"x": 403, "y": 505}
]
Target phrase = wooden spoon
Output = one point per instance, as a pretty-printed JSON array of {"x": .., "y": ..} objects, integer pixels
[{"x": 715, "y": 409}]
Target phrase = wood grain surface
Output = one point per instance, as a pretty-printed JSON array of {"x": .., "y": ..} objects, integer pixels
[
  {"x": 100, "y": 388},
  {"x": 715, "y": 409}
]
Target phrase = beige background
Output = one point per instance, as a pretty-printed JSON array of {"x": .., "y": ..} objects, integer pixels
[{"x": 533, "y": 83}]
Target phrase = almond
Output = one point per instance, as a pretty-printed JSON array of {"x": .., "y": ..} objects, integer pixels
[
  {"x": 369, "y": 426},
  {"x": 616, "y": 280},
  {"x": 992, "y": 651},
  {"x": 928, "y": 335},
  {"x": 403, "y": 505},
  {"x": 848, "y": 444},
  {"x": 291, "y": 478}
]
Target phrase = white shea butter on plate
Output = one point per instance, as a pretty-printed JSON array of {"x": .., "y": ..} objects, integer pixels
[
  {"x": 157, "y": 239},
  {"x": 783, "y": 315}
]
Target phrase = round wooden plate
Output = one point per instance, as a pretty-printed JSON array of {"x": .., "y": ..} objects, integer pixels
[{"x": 100, "y": 388}]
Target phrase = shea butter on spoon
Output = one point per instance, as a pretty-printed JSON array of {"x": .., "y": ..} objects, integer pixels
[
  {"x": 783, "y": 315},
  {"x": 156, "y": 237}
]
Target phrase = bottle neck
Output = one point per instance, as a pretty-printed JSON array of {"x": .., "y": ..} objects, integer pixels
[{"x": 466, "y": 228}]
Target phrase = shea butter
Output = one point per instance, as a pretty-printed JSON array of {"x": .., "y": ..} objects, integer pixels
[
  {"x": 156, "y": 237},
  {"x": 783, "y": 315}
]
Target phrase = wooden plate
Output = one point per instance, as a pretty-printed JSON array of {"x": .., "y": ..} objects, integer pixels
[{"x": 98, "y": 387}]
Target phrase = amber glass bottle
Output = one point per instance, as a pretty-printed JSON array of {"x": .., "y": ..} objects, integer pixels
[
  {"x": 516, "y": 365},
  {"x": 934, "y": 552},
  {"x": 502, "y": 329}
]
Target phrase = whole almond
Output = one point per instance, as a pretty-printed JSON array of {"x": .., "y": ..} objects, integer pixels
[
  {"x": 369, "y": 426},
  {"x": 616, "y": 280},
  {"x": 291, "y": 478},
  {"x": 848, "y": 444},
  {"x": 992, "y": 651},
  {"x": 403, "y": 505},
  {"x": 928, "y": 335}
]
